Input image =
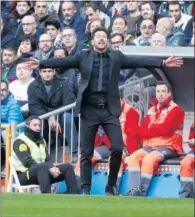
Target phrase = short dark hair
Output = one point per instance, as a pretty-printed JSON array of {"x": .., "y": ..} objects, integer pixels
[
  {"x": 12, "y": 49},
  {"x": 29, "y": 38},
  {"x": 89, "y": 25},
  {"x": 98, "y": 29},
  {"x": 53, "y": 22},
  {"x": 28, "y": 2},
  {"x": 121, "y": 17},
  {"x": 32, "y": 117},
  {"x": 166, "y": 84},
  {"x": 61, "y": 48},
  {"x": 152, "y": 5},
  {"x": 5, "y": 82},
  {"x": 93, "y": 6},
  {"x": 117, "y": 34},
  {"x": 174, "y": 3}
]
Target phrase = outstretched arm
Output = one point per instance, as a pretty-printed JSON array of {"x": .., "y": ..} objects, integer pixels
[
  {"x": 66, "y": 62},
  {"x": 149, "y": 62}
]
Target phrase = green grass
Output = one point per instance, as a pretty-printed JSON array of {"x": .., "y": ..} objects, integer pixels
[{"x": 37, "y": 205}]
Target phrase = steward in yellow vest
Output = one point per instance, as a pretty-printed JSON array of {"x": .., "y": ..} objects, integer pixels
[{"x": 33, "y": 164}]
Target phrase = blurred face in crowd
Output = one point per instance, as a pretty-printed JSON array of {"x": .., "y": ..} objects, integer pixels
[
  {"x": 164, "y": 26},
  {"x": 119, "y": 26},
  {"x": 94, "y": 24},
  {"x": 29, "y": 25},
  {"x": 69, "y": 38},
  {"x": 162, "y": 93},
  {"x": 25, "y": 46},
  {"x": 8, "y": 57},
  {"x": 147, "y": 28},
  {"x": 147, "y": 12},
  {"x": 52, "y": 31},
  {"x": 160, "y": 28},
  {"x": 132, "y": 6},
  {"x": 45, "y": 43},
  {"x": 59, "y": 53},
  {"x": 175, "y": 12},
  {"x": 91, "y": 14},
  {"x": 117, "y": 42},
  {"x": 35, "y": 125},
  {"x": 21, "y": 73},
  {"x": 22, "y": 7},
  {"x": 68, "y": 10},
  {"x": 100, "y": 41},
  {"x": 158, "y": 40},
  {"x": 41, "y": 8},
  {"x": 47, "y": 74},
  {"x": 4, "y": 90}
]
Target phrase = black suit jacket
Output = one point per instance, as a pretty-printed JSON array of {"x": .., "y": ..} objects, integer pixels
[{"x": 84, "y": 62}]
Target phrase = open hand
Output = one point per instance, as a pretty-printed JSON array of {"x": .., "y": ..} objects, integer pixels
[
  {"x": 32, "y": 64},
  {"x": 55, "y": 172},
  {"x": 54, "y": 124},
  {"x": 174, "y": 62}
]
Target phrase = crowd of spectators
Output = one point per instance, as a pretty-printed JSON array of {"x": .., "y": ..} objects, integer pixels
[{"x": 46, "y": 29}]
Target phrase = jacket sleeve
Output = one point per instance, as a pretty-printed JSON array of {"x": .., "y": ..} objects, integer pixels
[
  {"x": 80, "y": 30},
  {"x": 36, "y": 107},
  {"x": 174, "y": 119},
  {"x": 178, "y": 41},
  {"x": 131, "y": 130},
  {"x": 68, "y": 95},
  {"x": 66, "y": 62},
  {"x": 23, "y": 154},
  {"x": 139, "y": 62},
  {"x": 15, "y": 114}
]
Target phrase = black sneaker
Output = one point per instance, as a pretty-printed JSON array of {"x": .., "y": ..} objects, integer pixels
[
  {"x": 111, "y": 190},
  {"x": 135, "y": 192}
]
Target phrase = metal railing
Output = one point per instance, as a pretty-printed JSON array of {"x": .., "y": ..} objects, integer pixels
[
  {"x": 61, "y": 115},
  {"x": 133, "y": 87},
  {"x": 133, "y": 83}
]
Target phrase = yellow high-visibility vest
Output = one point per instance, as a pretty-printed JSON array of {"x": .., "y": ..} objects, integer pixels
[{"x": 38, "y": 152}]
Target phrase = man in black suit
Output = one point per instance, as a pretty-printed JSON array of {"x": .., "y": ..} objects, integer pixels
[{"x": 98, "y": 99}]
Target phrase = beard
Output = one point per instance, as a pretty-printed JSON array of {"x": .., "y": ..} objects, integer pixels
[{"x": 99, "y": 47}]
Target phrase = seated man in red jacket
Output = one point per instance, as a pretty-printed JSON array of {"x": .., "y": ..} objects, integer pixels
[
  {"x": 161, "y": 131},
  {"x": 187, "y": 168},
  {"x": 129, "y": 120}
]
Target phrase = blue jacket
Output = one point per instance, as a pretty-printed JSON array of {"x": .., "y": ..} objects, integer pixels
[
  {"x": 176, "y": 38},
  {"x": 78, "y": 24},
  {"x": 10, "y": 111},
  {"x": 7, "y": 40}
]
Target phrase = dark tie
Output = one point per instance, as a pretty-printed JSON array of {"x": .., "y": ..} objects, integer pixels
[{"x": 100, "y": 74}]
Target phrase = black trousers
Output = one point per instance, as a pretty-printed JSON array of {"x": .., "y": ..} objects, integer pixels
[
  {"x": 91, "y": 118},
  {"x": 39, "y": 174}
]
